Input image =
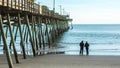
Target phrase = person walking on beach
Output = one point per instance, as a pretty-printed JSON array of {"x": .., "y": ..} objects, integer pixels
[
  {"x": 87, "y": 48},
  {"x": 81, "y": 47}
]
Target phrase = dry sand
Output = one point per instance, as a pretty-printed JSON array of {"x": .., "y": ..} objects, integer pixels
[{"x": 65, "y": 61}]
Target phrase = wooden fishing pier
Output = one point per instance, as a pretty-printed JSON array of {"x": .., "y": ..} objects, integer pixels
[{"x": 33, "y": 23}]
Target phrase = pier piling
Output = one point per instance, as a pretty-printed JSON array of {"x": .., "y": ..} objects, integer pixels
[
  {"x": 7, "y": 51},
  {"x": 12, "y": 38},
  {"x": 31, "y": 38},
  {"x": 21, "y": 36}
]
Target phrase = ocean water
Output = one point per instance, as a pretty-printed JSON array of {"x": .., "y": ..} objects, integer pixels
[{"x": 104, "y": 39}]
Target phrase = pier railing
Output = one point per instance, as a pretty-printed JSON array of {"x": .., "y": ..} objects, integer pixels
[
  {"x": 23, "y": 5},
  {"x": 28, "y": 6}
]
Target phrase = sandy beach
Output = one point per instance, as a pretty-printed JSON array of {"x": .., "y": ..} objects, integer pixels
[{"x": 65, "y": 61}]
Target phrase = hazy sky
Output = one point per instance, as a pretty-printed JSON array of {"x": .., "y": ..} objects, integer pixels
[{"x": 89, "y": 11}]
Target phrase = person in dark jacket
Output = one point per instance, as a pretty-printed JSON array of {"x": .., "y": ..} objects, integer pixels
[
  {"x": 87, "y": 48},
  {"x": 81, "y": 47}
]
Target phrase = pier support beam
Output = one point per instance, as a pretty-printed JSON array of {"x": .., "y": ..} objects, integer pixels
[
  {"x": 36, "y": 32},
  {"x": 40, "y": 33},
  {"x": 43, "y": 40},
  {"x": 12, "y": 38},
  {"x": 7, "y": 51},
  {"x": 21, "y": 36},
  {"x": 0, "y": 37},
  {"x": 48, "y": 39},
  {"x": 31, "y": 39},
  {"x": 6, "y": 35},
  {"x": 53, "y": 30}
]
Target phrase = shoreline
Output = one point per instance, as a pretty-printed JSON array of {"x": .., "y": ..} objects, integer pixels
[{"x": 64, "y": 61}]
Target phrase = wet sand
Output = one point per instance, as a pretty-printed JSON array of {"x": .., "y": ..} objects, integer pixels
[{"x": 65, "y": 61}]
